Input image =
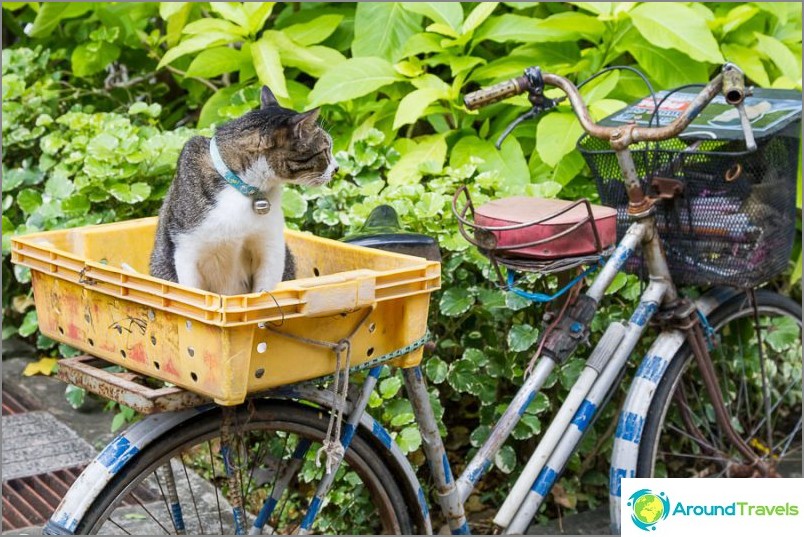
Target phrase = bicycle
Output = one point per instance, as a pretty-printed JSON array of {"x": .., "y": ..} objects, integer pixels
[{"x": 253, "y": 453}]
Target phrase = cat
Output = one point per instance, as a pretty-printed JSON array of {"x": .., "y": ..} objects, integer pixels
[{"x": 210, "y": 234}]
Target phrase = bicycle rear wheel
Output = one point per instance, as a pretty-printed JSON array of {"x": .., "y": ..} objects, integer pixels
[
  {"x": 681, "y": 437},
  {"x": 365, "y": 497}
]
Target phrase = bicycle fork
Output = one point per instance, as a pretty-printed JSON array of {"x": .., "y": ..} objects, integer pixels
[{"x": 691, "y": 324}]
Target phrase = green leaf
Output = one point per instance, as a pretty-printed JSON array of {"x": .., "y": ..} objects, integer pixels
[
  {"x": 617, "y": 283},
  {"x": 505, "y": 459},
  {"x": 598, "y": 8},
  {"x": 413, "y": 105},
  {"x": 600, "y": 87},
  {"x": 574, "y": 23},
  {"x": 447, "y": 13},
  {"x": 293, "y": 204},
  {"x": 219, "y": 100},
  {"x": 231, "y": 11},
  {"x": 216, "y": 61},
  {"x": 668, "y": 67},
  {"x": 51, "y": 13},
  {"x": 462, "y": 376},
  {"x": 75, "y": 396},
  {"x": 257, "y": 13},
  {"x": 738, "y": 16},
  {"x": 556, "y": 136},
  {"x": 30, "y": 324},
  {"x": 203, "y": 26},
  {"x": 747, "y": 60},
  {"x": 509, "y": 162},
  {"x": 674, "y": 25},
  {"x": 194, "y": 44},
  {"x": 314, "y": 60},
  {"x": 382, "y": 28},
  {"x": 269, "y": 66},
  {"x": 168, "y": 9},
  {"x": 59, "y": 187},
  {"x": 796, "y": 274},
  {"x": 134, "y": 193},
  {"x": 783, "y": 333},
  {"x": 314, "y": 31},
  {"x": 456, "y": 302},
  {"x": 354, "y": 78},
  {"x": 390, "y": 387},
  {"x": 118, "y": 421},
  {"x": 436, "y": 369},
  {"x": 478, "y": 16},
  {"x": 409, "y": 439},
  {"x": 521, "y": 337},
  {"x": 560, "y": 27},
  {"x": 29, "y": 201},
  {"x": 76, "y": 205},
  {"x": 90, "y": 58},
  {"x": 779, "y": 54},
  {"x": 427, "y": 153}
]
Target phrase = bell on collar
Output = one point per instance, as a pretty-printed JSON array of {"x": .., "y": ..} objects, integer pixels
[{"x": 260, "y": 205}]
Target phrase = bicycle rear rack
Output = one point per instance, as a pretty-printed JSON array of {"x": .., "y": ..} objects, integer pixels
[{"x": 126, "y": 388}]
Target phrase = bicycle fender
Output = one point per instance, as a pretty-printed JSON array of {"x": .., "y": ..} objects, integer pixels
[
  {"x": 108, "y": 463},
  {"x": 640, "y": 396},
  {"x": 126, "y": 445}
]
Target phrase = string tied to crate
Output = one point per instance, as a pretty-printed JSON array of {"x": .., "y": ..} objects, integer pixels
[{"x": 332, "y": 448}]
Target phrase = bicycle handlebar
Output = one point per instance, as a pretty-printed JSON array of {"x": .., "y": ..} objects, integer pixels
[{"x": 730, "y": 81}]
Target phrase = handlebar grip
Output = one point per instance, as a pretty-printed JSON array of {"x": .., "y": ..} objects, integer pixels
[{"x": 496, "y": 93}]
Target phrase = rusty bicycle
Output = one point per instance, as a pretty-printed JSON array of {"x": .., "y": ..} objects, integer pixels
[{"x": 718, "y": 393}]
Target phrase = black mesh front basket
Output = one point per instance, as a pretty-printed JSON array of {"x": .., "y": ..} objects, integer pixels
[{"x": 733, "y": 224}]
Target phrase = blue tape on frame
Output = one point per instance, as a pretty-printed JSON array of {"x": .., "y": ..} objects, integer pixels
[
  {"x": 447, "y": 470},
  {"x": 348, "y": 433},
  {"x": 115, "y": 455},
  {"x": 527, "y": 402},
  {"x": 423, "y": 503},
  {"x": 652, "y": 368},
  {"x": 301, "y": 448},
  {"x": 544, "y": 481},
  {"x": 616, "y": 476},
  {"x": 266, "y": 511},
  {"x": 375, "y": 371},
  {"x": 629, "y": 426},
  {"x": 381, "y": 434},
  {"x": 475, "y": 475},
  {"x": 178, "y": 519},
  {"x": 462, "y": 530},
  {"x": 583, "y": 417},
  {"x": 644, "y": 311},
  {"x": 312, "y": 512}
]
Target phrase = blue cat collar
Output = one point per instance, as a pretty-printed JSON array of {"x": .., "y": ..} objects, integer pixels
[{"x": 230, "y": 176}]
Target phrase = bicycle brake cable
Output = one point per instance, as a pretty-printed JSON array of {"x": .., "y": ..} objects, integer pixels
[{"x": 539, "y": 102}]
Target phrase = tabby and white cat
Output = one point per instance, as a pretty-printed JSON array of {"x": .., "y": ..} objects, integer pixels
[{"x": 221, "y": 226}]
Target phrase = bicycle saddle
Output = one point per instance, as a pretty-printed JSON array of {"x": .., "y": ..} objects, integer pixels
[
  {"x": 547, "y": 228},
  {"x": 383, "y": 231}
]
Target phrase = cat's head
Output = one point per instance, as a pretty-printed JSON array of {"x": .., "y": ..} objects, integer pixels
[{"x": 279, "y": 142}]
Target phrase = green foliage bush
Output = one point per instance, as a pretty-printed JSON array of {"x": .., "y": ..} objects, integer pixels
[{"x": 99, "y": 98}]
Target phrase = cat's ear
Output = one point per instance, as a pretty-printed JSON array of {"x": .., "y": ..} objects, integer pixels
[
  {"x": 305, "y": 121},
  {"x": 267, "y": 98}
]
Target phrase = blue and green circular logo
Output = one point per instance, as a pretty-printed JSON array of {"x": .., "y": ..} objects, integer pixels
[{"x": 648, "y": 508}]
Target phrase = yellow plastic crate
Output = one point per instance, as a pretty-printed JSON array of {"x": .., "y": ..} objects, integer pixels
[{"x": 93, "y": 292}]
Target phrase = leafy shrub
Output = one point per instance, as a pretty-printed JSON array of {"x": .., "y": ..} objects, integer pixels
[{"x": 93, "y": 94}]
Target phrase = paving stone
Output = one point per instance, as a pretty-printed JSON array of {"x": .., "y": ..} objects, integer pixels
[{"x": 36, "y": 442}]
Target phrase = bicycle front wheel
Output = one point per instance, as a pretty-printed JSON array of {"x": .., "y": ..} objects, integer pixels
[
  {"x": 178, "y": 484},
  {"x": 681, "y": 437}
]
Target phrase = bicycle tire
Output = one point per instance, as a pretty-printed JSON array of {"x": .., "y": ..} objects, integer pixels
[
  {"x": 682, "y": 371},
  {"x": 285, "y": 417}
]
